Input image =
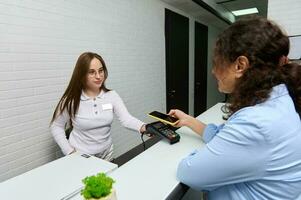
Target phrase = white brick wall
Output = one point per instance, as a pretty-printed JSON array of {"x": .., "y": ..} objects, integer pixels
[
  {"x": 287, "y": 14},
  {"x": 40, "y": 42}
]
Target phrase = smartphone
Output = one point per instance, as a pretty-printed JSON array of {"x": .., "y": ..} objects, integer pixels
[{"x": 163, "y": 117}]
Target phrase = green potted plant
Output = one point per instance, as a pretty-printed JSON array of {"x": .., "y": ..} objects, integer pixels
[{"x": 98, "y": 187}]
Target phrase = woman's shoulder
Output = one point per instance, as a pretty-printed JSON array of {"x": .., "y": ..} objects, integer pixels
[
  {"x": 258, "y": 113},
  {"x": 111, "y": 94},
  {"x": 248, "y": 123},
  {"x": 264, "y": 116}
]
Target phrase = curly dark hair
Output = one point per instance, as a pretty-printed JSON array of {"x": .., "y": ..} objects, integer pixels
[
  {"x": 264, "y": 44},
  {"x": 291, "y": 74}
]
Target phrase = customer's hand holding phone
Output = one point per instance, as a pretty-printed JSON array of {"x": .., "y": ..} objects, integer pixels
[
  {"x": 184, "y": 119},
  {"x": 167, "y": 119}
]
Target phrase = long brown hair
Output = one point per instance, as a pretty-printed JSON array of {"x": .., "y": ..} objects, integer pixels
[
  {"x": 71, "y": 97},
  {"x": 264, "y": 44}
]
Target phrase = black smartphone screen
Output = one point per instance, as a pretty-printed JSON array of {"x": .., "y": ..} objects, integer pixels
[{"x": 163, "y": 116}]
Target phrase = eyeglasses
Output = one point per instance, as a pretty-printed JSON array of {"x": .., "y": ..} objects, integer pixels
[{"x": 93, "y": 73}]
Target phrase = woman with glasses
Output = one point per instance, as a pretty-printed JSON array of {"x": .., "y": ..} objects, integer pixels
[
  {"x": 256, "y": 153},
  {"x": 89, "y": 106}
]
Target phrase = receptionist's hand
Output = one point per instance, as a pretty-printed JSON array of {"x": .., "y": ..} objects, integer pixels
[
  {"x": 144, "y": 131},
  {"x": 143, "y": 128}
]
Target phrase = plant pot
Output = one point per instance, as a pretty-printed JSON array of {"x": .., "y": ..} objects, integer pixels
[{"x": 111, "y": 196}]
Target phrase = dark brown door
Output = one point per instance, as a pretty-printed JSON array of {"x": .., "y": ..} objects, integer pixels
[
  {"x": 200, "y": 68},
  {"x": 177, "y": 53}
]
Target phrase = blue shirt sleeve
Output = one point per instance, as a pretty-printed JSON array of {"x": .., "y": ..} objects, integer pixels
[
  {"x": 234, "y": 153},
  {"x": 210, "y": 131}
]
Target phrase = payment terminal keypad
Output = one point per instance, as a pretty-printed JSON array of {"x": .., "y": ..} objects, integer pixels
[{"x": 164, "y": 131}]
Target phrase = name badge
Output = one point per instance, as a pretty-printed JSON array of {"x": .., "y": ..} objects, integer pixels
[{"x": 107, "y": 106}]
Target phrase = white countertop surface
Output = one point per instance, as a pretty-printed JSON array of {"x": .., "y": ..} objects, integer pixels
[{"x": 53, "y": 180}]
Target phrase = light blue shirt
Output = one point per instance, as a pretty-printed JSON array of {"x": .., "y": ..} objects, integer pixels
[{"x": 255, "y": 154}]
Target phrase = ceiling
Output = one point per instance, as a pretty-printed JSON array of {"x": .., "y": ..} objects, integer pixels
[
  {"x": 231, "y": 5},
  {"x": 198, "y": 12},
  {"x": 203, "y": 15}
]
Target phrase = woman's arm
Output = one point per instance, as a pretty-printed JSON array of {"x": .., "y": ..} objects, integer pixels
[
  {"x": 126, "y": 119},
  {"x": 57, "y": 129},
  {"x": 187, "y": 120},
  {"x": 206, "y": 131},
  {"x": 236, "y": 154}
]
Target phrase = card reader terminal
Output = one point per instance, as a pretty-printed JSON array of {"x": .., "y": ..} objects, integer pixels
[{"x": 164, "y": 130}]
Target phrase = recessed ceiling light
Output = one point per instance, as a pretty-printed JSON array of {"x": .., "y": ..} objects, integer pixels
[{"x": 245, "y": 11}]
